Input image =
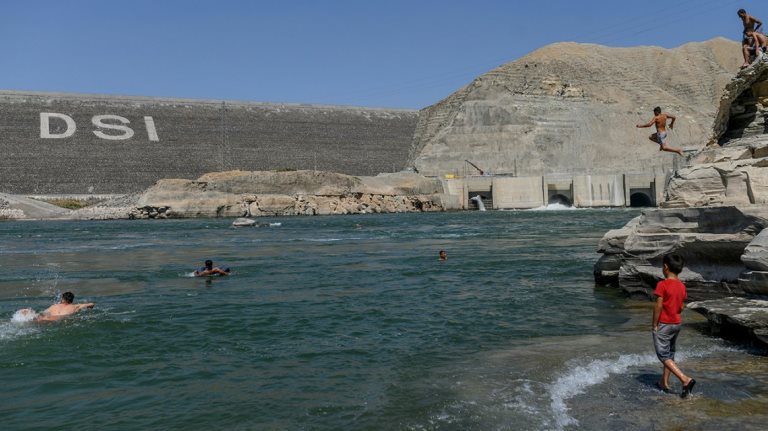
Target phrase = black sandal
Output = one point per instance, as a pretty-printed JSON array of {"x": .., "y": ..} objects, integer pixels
[
  {"x": 687, "y": 389},
  {"x": 666, "y": 390}
]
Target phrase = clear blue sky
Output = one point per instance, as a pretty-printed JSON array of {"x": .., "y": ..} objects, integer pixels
[{"x": 393, "y": 53}]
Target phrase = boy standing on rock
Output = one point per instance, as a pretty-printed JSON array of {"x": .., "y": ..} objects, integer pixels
[
  {"x": 660, "y": 137},
  {"x": 751, "y": 24},
  {"x": 670, "y": 294}
]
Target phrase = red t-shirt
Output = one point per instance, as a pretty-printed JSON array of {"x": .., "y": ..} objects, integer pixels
[{"x": 673, "y": 293}]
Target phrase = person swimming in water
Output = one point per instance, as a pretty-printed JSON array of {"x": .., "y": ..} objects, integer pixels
[
  {"x": 209, "y": 270},
  {"x": 64, "y": 308}
]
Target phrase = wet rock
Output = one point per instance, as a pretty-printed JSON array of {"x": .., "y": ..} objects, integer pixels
[{"x": 733, "y": 317}]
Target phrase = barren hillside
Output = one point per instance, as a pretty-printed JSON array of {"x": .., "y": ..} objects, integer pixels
[{"x": 572, "y": 107}]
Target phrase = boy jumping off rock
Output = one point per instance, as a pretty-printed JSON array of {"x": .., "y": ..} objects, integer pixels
[
  {"x": 660, "y": 137},
  {"x": 670, "y": 294}
]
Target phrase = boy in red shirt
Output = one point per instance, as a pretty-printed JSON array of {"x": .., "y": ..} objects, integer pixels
[{"x": 670, "y": 294}]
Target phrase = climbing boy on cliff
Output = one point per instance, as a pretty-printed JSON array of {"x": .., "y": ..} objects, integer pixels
[
  {"x": 670, "y": 294},
  {"x": 660, "y": 137}
]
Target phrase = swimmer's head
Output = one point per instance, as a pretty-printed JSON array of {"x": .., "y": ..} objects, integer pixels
[
  {"x": 209, "y": 264},
  {"x": 657, "y": 110},
  {"x": 67, "y": 297},
  {"x": 742, "y": 13},
  {"x": 443, "y": 255}
]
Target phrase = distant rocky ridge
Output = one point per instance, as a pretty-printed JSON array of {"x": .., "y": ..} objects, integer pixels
[
  {"x": 714, "y": 215},
  {"x": 572, "y": 108}
]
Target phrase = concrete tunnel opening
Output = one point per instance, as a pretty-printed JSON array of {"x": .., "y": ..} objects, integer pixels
[{"x": 639, "y": 200}]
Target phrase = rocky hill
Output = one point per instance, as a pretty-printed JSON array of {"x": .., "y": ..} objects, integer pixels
[{"x": 572, "y": 107}]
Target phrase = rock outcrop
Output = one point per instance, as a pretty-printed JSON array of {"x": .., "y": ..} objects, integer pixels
[
  {"x": 739, "y": 318},
  {"x": 239, "y": 193},
  {"x": 572, "y": 108},
  {"x": 712, "y": 241},
  {"x": 714, "y": 215}
]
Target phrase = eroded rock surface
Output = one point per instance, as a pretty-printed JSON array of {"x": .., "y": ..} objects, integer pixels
[
  {"x": 734, "y": 317},
  {"x": 711, "y": 240}
]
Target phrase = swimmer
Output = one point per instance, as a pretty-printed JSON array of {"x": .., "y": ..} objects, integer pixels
[
  {"x": 64, "y": 308},
  {"x": 442, "y": 255},
  {"x": 209, "y": 270}
]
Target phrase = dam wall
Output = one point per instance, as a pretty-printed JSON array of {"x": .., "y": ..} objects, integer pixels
[
  {"x": 582, "y": 191},
  {"x": 91, "y": 144}
]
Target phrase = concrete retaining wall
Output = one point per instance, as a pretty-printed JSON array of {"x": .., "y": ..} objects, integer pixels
[
  {"x": 598, "y": 191},
  {"x": 521, "y": 193},
  {"x": 583, "y": 191}
]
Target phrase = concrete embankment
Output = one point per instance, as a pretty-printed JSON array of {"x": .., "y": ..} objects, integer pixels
[
  {"x": 56, "y": 143},
  {"x": 19, "y": 207}
]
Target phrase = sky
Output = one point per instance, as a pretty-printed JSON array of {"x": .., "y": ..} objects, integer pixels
[{"x": 393, "y": 53}]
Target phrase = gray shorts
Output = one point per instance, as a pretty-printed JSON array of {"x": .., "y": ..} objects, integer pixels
[
  {"x": 661, "y": 138},
  {"x": 665, "y": 340}
]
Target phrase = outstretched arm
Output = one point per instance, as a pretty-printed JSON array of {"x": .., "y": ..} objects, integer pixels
[
  {"x": 87, "y": 305},
  {"x": 650, "y": 123}
]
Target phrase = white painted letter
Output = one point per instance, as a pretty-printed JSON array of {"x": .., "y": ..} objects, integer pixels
[
  {"x": 45, "y": 126},
  {"x": 98, "y": 121},
  {"x": 151, "y": 131}
]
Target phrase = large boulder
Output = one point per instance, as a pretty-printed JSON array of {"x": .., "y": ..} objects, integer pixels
[{"x": 710, "y": 239}]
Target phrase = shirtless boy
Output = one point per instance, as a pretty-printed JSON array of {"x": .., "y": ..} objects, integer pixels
[
  {"x": 660, "y": 137},
  {"x": 64, "y": 308},
  {"x": 750, "y": 24}
]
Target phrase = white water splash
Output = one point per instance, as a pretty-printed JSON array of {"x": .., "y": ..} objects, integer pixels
[
  {"x": 24, "y": 315},
  {"x": 18, "y": 325},
  {"x": 555, "y": 207},
  {"x": 577, "y": 379}
]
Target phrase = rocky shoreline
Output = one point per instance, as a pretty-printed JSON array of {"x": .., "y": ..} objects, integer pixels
[
  {"x": 714, "y": 215},
  {"x": 255, "y": 194}
]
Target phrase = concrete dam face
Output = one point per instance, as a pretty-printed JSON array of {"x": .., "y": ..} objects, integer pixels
[{"x": 80, "y": 144}]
